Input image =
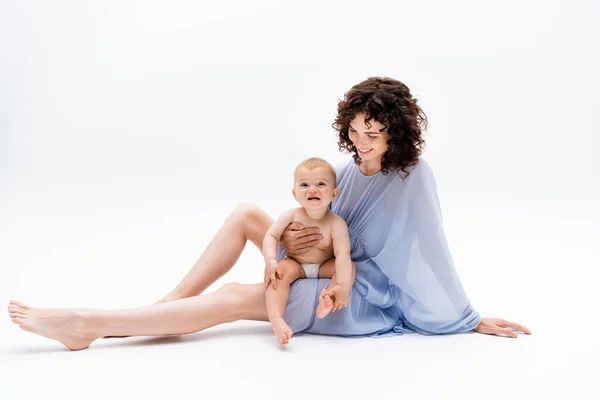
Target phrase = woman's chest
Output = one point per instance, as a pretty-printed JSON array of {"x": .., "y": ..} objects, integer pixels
[{"x": 371, "y": 216}]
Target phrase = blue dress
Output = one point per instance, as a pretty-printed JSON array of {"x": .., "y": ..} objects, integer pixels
[{"x": 405, "y": 278}]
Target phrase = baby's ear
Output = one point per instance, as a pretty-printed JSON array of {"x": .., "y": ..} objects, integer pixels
[
  {"x": 294, "y": 193},
  {"x": 336, "y": 191}
]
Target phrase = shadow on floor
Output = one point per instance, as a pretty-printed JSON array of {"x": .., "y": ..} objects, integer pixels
[{"x": 137, "y": 341}]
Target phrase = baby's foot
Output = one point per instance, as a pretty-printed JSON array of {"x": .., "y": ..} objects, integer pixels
[
  {"x": 283, "y": 333},
  {"x": 66, "y": 326},
  {"x": 325, "y": 305}
]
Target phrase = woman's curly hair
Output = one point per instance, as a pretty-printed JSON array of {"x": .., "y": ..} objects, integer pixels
[{"x": 390, "y": 103}]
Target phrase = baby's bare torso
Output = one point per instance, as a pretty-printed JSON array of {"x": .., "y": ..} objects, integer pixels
[{"x": 323, "y": 251}]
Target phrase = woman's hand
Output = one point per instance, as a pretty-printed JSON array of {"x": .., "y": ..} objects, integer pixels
[
  {"x": 296, "y": 239},
  {"x": 495, "y": 326}
]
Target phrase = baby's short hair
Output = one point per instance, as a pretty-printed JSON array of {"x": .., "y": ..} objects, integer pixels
[{"x": 315, "y": 162}]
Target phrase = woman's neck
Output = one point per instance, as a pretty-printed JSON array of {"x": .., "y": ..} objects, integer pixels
[{"x": 369, "y": 168}]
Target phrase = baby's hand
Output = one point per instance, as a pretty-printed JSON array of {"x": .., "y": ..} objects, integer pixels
[
  {"x": 271, "y": 274},
  {"x": 341, "y": 297}
]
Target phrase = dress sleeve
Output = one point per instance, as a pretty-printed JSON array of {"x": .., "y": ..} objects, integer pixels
[{"x": 420, "y": 264}]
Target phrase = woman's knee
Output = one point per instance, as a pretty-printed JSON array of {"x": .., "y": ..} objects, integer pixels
[
  {"x": 247, "y": 211},
  {"x": 233, "y": 299},
  {"x": 244, "y": 301},
  {"x": 252, "y": 221},
  {"x": 237, "y": 292},
  {"x": 231, "y": 288}
]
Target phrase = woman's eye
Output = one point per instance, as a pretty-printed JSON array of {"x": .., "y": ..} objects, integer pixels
[{"x": 372, "y": 137}]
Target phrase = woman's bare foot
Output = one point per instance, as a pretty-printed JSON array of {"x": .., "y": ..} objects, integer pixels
[
  {"x": 325, "y": 305},
  {"x": 66, "y": 326},
  {"x": 282, "y": 331}
]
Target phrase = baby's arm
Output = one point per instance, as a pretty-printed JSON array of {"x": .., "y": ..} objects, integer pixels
[
  {"x": 271, "y": 239},
  {"x": 341, "y": 250}
]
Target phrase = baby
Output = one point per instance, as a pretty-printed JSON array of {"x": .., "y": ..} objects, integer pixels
[{"x": 314, "y": 188}]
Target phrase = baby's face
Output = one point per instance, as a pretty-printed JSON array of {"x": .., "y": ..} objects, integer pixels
[{"x": 314, "y": 188}]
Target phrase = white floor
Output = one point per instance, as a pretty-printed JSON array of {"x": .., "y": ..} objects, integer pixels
[
  {"x": 128, "y": 264},
  {"x": 242, "y": 360}
]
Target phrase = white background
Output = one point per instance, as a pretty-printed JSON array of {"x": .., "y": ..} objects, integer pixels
[{"x": 129, "y": 130}]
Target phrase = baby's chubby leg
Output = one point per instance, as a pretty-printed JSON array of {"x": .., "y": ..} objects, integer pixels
[
  {"x": 289, "y": 271},
  {"x": 327, "y": 270}
]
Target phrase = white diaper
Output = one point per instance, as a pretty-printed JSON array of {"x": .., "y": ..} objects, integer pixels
[{"x": 311, "y": 270}]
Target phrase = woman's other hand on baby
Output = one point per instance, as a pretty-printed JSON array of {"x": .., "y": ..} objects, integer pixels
[
  {"x": 272, "y": 272},
  {"x": 296, "y": 239},
  {"x": 340, "y": 296}
]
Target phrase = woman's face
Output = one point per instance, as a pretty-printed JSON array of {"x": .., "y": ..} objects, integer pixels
[{"x": 370, "y": 139}]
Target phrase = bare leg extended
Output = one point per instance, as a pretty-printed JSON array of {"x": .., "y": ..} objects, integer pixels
[
  {"x": 78, "y": 328},
  {"x": 277, "y": 298},
  {"x": 246, "y": 222},
  {"x": 327, "y": 270}
]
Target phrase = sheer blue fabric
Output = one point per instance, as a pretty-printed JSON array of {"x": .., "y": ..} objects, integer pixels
[{"x": 405, "y": 277}]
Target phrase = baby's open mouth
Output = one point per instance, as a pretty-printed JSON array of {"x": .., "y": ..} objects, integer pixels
[{"x": 314, "y": 198}]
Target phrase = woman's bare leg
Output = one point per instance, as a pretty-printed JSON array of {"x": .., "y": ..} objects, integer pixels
[
  {"x": 246, "y": 222},
  {"x": 78, "y": 328}
]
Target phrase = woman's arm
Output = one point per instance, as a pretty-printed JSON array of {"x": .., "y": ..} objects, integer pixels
[
  {"x": 417, "y": 259},
  {"x": 435, "y": 250},
  {"x": 443, "y": 304}
]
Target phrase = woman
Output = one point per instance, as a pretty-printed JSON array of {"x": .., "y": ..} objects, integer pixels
[{"x": 405, "y": 279}]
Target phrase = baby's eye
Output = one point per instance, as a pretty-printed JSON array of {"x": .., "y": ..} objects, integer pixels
[
  {"x": 322, "y": 183},
  {"x": 303, "y": 185}
]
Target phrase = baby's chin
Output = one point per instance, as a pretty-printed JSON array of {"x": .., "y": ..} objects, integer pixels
[{"x": 320, "y": 206}]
